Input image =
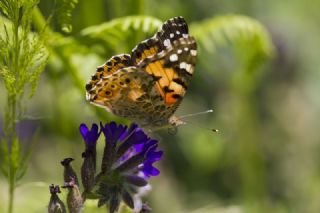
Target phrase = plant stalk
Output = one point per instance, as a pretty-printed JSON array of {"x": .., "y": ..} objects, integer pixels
[{"x": 13, "y": 103}]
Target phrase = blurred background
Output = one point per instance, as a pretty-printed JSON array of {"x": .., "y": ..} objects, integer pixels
[{"x": 261, "y": 77}]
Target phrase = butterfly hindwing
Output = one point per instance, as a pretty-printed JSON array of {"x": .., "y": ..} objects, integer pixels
[
  {"x": 108, "y": 68},
  {"x": 124, "y": 85}
]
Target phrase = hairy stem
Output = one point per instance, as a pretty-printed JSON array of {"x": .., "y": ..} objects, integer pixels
[
  {"x": 12, "y": 107},
  {"x": 14, "y": 99}
]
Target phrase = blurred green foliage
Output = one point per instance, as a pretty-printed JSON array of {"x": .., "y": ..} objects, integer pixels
[{"x": 264, "y": 95}]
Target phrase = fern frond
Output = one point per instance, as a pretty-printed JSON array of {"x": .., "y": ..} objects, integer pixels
[
  {"x": 4, "y": 7},
  {"x": 3, "y": 50},
  {"x": 248, "y": 39},
  {"x": 64, "y": 13},
  {"x": 8, "y": 79},
  {"x": 116, "y": 33},
  {"x": 42, "y": 59},
  {"x": 24, "y": 70}
]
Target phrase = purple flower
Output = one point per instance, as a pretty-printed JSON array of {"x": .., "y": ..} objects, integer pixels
[
  {"x": 148, "y": 151},
  {"x": 90, "y": 136},
  {"x": 130, "y": 144},
  {"x": 127, "y": 165},
  {"x": 88, "y": 168}
]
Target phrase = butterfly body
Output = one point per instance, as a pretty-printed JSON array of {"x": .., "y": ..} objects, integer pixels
[{"x": 148, "y": 85}]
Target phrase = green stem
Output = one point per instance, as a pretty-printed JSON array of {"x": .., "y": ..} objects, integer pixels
[
  {"x": 116, "y": 8},
  {"x": 14, "y": 94},
  {"x": 137, "y": 7},
  {"x": 141, "y": 5},
  {"x": 10, "y": 136},
  {"x": 251, "y": 164},
  {"x": 12, "y": 104},
  {"x": 38, "y": 20},
  {"x": 11, "y": 194}
]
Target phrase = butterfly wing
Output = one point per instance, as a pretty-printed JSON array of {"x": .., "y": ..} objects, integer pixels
[
  {"x": 172, "y": 69},
  {"x": 172, "y": 30},
  {"x": 100, "y": 80},
  {"x": 148, "y": 85},
  {"x": 129, "y": 93}
]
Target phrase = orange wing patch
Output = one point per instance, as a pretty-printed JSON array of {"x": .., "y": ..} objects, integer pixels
[
  {"x": 149, "y": 52},
  {"x": 169, "y": 90},
  {"x": 147, "y": 48}
]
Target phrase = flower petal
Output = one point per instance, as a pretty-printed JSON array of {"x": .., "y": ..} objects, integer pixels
[
  {"x": 83, "y": 130},
  {"x": 149, "y": 170}
]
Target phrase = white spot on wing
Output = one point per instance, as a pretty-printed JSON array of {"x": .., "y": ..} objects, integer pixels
[
  {"x": 183, "y": 65},
  {"x": 177, "y": 32},
  {"x": 193, "y": 52},
  {"x": 167, "y": 43},
  {"x": 179, "y": 51},
  {"x": 187, "y": 67},
  {"x": 185, "y": 35},
  {"x": 173, "y": 57},
  {"x": 186, "y": 49},
  {"x": 171, "y": 35},
  {"x": 88, "y": 96}
]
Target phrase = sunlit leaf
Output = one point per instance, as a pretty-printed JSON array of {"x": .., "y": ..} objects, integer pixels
[
  {"x": 248, "y": 39},
  {"x": 64, "y": 13},
  {"x": 120, "y": 31}
]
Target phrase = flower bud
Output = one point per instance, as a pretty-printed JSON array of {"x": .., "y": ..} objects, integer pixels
[
  {"x": 74, "y": 197},
  {"x": 69, "y": 174},
  {"x": 88, "y": 168},
  {"x": 55, "y": 204}
]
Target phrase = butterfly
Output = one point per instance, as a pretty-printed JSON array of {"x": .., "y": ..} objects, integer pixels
[{"x": 148, "y": 85}]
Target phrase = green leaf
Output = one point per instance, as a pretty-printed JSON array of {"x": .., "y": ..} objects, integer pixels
[
  {"x": 120, "y": 33},
  {"x": 4, "y": 6},
  {"x": 15, "y": 152},
  {"x": 8, "y": 79},
  {"x": 4, "y": 157},
  {"x": 64, "y": 13},
  {"x": 25, "y": 156},
  {"x": 248, "y": 39}
]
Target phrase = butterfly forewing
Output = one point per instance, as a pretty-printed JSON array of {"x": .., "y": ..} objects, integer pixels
[{"x": 172, "y": 69}]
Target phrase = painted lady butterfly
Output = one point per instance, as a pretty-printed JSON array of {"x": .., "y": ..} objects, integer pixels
[{"x": 148, "y": 85}]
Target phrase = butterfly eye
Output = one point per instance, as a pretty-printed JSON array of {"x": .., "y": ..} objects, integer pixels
[{"x": 108, "y": 93}]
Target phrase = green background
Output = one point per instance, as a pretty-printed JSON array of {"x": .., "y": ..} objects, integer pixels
[{"x": 266, "y": 156}]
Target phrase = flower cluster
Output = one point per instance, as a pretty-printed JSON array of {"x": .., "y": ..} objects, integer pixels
[{"x": 127, "y": 165}]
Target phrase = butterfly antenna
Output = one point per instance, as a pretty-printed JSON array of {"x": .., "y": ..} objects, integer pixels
[
  {"x": 196, "y": 114},
  {"x": 203, "y": 127}
]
